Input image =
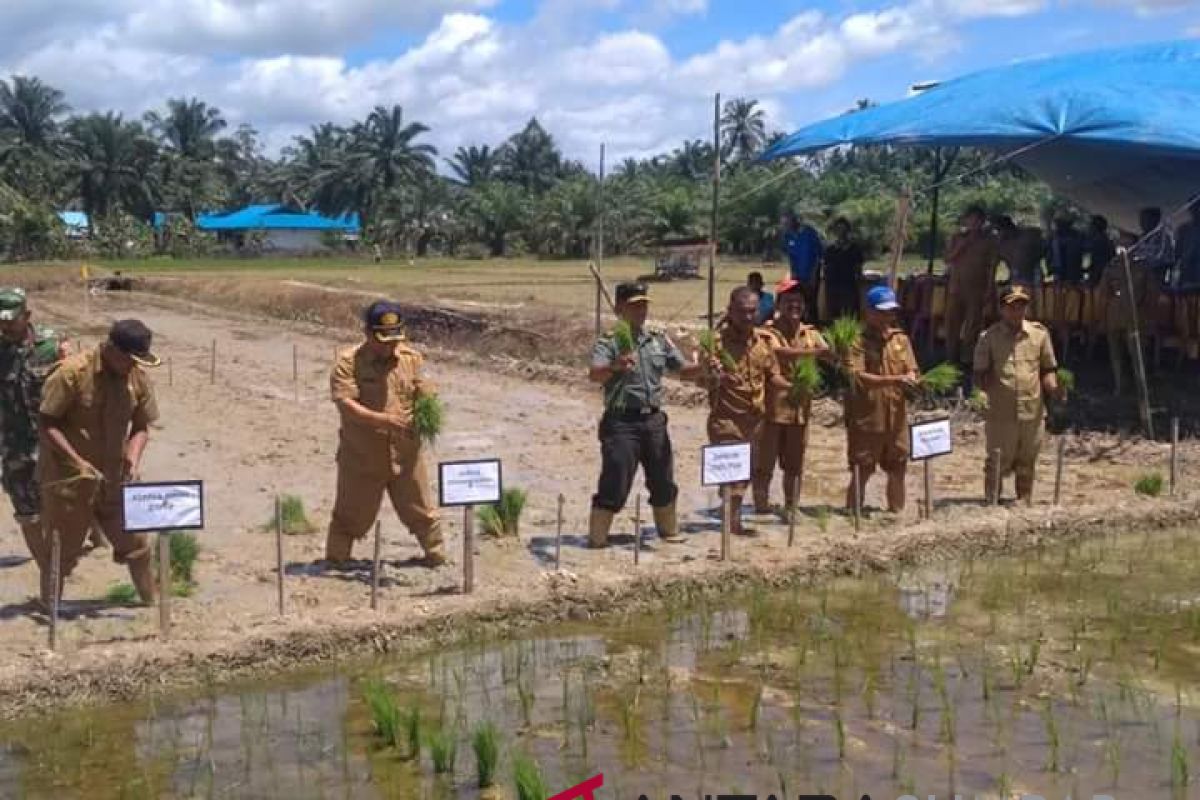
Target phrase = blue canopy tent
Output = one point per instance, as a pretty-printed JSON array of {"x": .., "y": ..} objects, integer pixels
[{"x": 1113, "y": 130}]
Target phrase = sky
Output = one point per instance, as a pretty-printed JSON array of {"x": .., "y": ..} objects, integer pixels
[{"x": 637, "y": 75}]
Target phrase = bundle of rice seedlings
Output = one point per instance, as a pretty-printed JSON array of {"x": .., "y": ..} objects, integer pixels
[
  {"x": 122, "y": 594},
  {"x": 443, "y": 749},
  {"x": 527, "y": 776},
  {"x": 504, "y": 518},
  {"x": 486, "y": 744},
  {"x": 428, "y": 416},
  {"x": 293, "y": 516},
  {"x": 711, "y": 345},
  {"x": 386, "y": 715},
  {"x": 806, "y": 379},
  {"x": 842, "y": 335},
  {"x": 1149, "y": 485},
  {"x": 1066, "y": 380},
  {"x": 942, "y": 379},
  {"x": 412, "y": 727},
  {"x": 623, "y": 337},
  {"x": 184, "y": 550},
  {"x": 978, "y": 401}
]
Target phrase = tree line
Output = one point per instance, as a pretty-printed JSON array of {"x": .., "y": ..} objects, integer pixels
[{"x": 515, "y": 197}]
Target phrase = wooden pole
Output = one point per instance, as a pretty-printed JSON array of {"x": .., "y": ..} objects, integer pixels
[
  {"x": 637, "y": 530},
  {"x": 212, "y": 368},
  {"x": 899, "y": 234},
  {"x": 468, "y": 549},
  {"x": 279, "y": 551},
  {"x": 934, "y": 199},
  {"x": 1058, "y": 468},
  {"x": 928, "y": 489},
  {"x": 1174, "y": 453},
  {"x": 857, "y": 498},
  {"x": 164, "y": 584},
  {"x": 558, "y": 535},
  {"x": 600, "y": 216},
  {"x": 599, "y": 328},
  {"x": 716, "y": 197},
  {"x": 170, "y": 372},
  {"x": 726, "y": 521},
  {"x": 375, "y": 565},
  {"x": 55, "y": 582},
  {"x": 997, "y": 477},
  {"x": 296, "y": 371},
  {"x": 1139, "y": 363}
]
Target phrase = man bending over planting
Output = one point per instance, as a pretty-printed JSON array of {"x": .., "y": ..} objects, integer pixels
[
  {"x": 375, "y": 386},
  {"x": 631, "y": 362}
]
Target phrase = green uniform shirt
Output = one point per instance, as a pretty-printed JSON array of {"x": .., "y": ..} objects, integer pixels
[
  {"x": 24, "y": 367},
  {"x": 641, "y": 386}
]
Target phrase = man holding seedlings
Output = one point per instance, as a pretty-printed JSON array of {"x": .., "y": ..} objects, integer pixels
[
  {"x": 1014, "y": 365},
  {"x": 631, "y": 363},
  {"x": 789, "y": 401},
  {"x": 375, "y": 386},
  {"x": 882, "y": 367},
  {"x": 96, "y": 412},
  {"x": 739, "y": 364}
]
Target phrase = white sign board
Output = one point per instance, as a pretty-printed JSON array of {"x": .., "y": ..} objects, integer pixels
[
  {"x": 163, "y": 506},
  {"x": 725, "y": 463},
  {"x": 930, "y": 439},
  {"x": 469, "y": 483}
]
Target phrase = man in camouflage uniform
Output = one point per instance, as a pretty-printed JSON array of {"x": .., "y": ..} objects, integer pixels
[
  {"x": 28, "y": 354},
  {"x": 1015, "y": 366}
]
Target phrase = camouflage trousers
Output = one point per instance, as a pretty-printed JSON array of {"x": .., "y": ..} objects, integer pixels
[{"x": 18, "y": 476}]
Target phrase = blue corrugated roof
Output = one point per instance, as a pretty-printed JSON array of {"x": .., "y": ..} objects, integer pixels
[
  {"x": 73, "y": 219},
  {"x": 275, "y": 217}
]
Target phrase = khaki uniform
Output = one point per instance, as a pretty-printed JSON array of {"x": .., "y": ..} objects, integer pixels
[
  {"x": 971, "y": 277},
  {"x": 372, "y": 460},
  {"x": 738, "y": 405},
  {"x": 877, "y": 418},
  {"x": 1015, "y": 363},
  {"x": 784, "y": 432},
  {"x": 96, "y": 411}
]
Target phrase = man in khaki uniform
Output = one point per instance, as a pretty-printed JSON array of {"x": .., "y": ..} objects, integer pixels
[
  {"x": 737, "y": 391},
  {"x": 784, "y": 432},
  {"x": 1014, "y": 365},
  {"x": 95, "y": 418},
  {"x": 374, "y": 386},
  {"x": 882, "y": 367},
  {"x": 971, "y": 261}
]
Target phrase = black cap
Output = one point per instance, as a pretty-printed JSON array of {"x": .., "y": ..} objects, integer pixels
[
  {"x": 133, "y": 338},
  {"x": 386, "y": 320},
  {"x": 632, "y": 292}
]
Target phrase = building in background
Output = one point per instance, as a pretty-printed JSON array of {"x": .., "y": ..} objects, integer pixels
[{"x": 281, "y": 229}]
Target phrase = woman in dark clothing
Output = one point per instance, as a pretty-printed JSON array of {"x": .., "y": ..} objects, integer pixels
[{"x": 843, "y": 271}]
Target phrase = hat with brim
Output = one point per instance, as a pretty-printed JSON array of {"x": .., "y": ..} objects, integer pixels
[
  {"x": 12, "y": 303},
  {"x": 632, "y": 292},
  {"x": 787, "y": 285},
  {"x": 385, "y": 322},
  {"x": 133, "y": 338},
  {"x": 881, "y": 298},
  {"x": 1017, "y": 294},
  {"x": 388, "y": 335}
]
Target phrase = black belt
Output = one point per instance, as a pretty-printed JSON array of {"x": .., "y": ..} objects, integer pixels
[{"x": 634, "y": 413}]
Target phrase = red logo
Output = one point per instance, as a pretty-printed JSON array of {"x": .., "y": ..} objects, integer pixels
[{"x": 583, "y": 791}]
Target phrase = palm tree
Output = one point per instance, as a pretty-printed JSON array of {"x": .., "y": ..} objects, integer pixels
[
  {"x": 29, "y": 134},
  {"x": 496, "y": 209},
  {"x": 473, "y": 165},
  {"x": 743, "y": 128},
  {"x": 295, "y": 179},
  {"x": 531, "y": 158},
  {"x": 692, "y": 161},
  {"x": 187, "y": 132},
  {"x": 111, "y": 163}
]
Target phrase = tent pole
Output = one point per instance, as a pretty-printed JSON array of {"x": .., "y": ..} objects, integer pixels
[
  {"x": 716, "y": 194},
  {"x": 899, "y": 233},
  {"x": 933, "y": 214}
]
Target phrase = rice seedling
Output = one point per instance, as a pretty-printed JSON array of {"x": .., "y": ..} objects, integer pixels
[
  {"x": 805, "y": 379},
  {"x": 942, "y": 379},
  {"x": 869, "y": 694},
  {"x": 412, "y": 729},
  {"x": 526, "y": 697},
  {"x": 1149, "y": 485},
  {"x": 977, "y": 401},
  {"x": 293, "y": 517},
  {"x": 122, "y": 594},
  {"x": 486, "y": 744},
  {"x": 823, "y": 519},
  {"x": 710, "y": 344},
  {"x": 386, "y": 715},
  {"x": 443, "y": 750},
  {"x": 527, "y": 778},
  {"x": 504, "y": 518},
  {"x": 1004, "y": 786},
  {"x": 1066, "y": 380},
  {"x": 428, "y": 414},
  {"x": 756, "y": 707},
  {"x": 839, "y": 728},
  {"x": 1035, "y": 649},
  {"x": 1112, "y": 756},
  {"x": 843, "y": 335},
  {"x": 1180, "y": 770},
  {"x": 1052, "y": 736},
  {"x": 622, "y": 334}
]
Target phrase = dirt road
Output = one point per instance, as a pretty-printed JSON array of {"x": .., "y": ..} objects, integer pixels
[{"x": 253, "y": 433}]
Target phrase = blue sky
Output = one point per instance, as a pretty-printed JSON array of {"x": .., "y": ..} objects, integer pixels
[{"x": 636, "y": 74}]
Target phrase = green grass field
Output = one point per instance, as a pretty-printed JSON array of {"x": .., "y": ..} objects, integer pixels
[{"x": 499, "y": 283}]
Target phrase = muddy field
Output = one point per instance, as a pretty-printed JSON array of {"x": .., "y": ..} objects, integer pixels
[{"x": 253, "y": 433}]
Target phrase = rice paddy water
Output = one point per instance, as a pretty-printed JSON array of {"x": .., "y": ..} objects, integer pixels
[{"x": 1067, "y": 671}]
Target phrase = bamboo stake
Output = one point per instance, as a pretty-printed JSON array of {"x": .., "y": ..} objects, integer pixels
[
  {"x": 899, "y": 233},
  {"x": 726, "y": 522},
  {"x": 716, "y": 199},
  {"x": 998, "y": 480},
  {"x": 795, "y": 487},
  {"x": 375, "y": 566},
  {"x": 55, "y": 582},
  {"x": 1139, "y": 362},
  {"x": 558, "y": 535},
  {"x": 212, "y": 368},
  {"x": 164, "y": 584},
  {"x": 637, "y": 529},
  {"x": 1058, "y": 468},
  {"x": 296, "y": 371},
  {"x": 170, "y": 372},
  {"x": 279, "y": 551},
  {"x": 1174, "y": 453},
  {"x": 928, "y": 489},
  {"x": 858, "y": 504},
  {"x": 468, "y": 549}
]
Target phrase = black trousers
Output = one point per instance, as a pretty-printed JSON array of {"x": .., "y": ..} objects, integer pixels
[{"x": 627, "y": 440}]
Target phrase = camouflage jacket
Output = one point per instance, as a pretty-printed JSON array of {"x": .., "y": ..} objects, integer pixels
[{"x": 24, "y": 367}]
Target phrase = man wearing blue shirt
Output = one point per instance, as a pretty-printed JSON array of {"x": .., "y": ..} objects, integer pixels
[
  {"x": 804, "y": 249},
  {"x": 766, "y": 300}
]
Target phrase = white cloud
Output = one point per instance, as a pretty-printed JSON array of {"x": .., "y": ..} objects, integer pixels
[{"x": 970, "y": 9}]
